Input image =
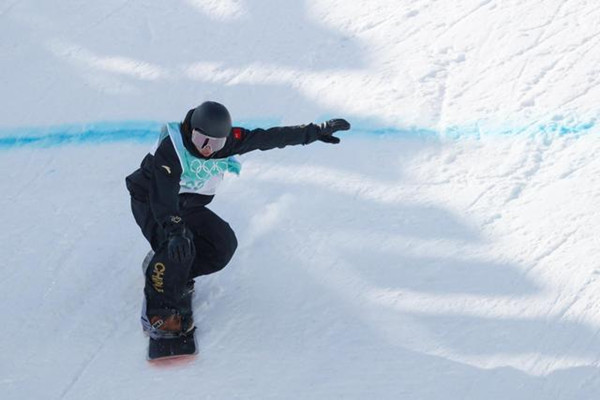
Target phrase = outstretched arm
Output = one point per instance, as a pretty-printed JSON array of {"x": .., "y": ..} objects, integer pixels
[{"x": 242, "y": 140}]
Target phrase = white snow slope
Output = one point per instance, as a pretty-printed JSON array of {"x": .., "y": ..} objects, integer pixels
[{"x": 446, "y": 249}]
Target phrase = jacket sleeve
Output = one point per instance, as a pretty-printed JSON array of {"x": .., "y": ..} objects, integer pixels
[
  {"x": 242, "y": 140},
  {"x": 164, "y": 184}
]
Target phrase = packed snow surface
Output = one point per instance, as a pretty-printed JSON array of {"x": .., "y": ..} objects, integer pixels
[{"x": 446, "y": 249}]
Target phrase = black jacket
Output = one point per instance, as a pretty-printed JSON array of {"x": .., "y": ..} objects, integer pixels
[{"x": 157, "y": 180}]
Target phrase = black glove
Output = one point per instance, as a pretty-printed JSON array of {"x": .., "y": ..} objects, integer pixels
[
  {"x": 331, "y": 126},
  {"x": 180, "y": 247}
]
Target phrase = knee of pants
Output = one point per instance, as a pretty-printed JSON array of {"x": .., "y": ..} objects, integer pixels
[
  {"x": 217, "y": 258},
  {"x": 226, "y": 252}
]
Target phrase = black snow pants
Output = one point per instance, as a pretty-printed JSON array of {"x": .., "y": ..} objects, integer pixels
[{"x": 214, "y": 241}]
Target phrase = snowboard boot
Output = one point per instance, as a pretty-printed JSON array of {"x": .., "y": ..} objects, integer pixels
[
  {"x": 160, "y": 322},
  {"x": 166, "y": 323}
]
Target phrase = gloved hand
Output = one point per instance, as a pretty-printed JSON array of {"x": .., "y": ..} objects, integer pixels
[
  {"x": 180, "y": 247},
  {"x": 330, "y": 127}
]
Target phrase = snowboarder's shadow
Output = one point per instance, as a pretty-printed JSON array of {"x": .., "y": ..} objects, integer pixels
[
  {"x": 390, "y": 248},
  {"x": 396, "y": 248}
]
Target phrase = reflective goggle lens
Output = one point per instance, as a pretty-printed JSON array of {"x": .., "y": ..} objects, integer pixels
[{"x": 201, "y": 141}]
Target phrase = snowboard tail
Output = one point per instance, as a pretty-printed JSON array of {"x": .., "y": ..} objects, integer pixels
[{"x": 182, "y": 346}]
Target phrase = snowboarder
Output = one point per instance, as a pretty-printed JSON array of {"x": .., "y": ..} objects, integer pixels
[{"x": 169, "y": 197}]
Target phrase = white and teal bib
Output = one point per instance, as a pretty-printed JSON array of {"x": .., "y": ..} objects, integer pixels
[{"x": 201, "y": 176}]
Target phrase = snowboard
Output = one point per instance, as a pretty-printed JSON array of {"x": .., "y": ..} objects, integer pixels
[{"x": 172, "y": 348}]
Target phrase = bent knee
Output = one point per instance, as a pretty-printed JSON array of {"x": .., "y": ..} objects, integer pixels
[{"x": 227, "y": 250}]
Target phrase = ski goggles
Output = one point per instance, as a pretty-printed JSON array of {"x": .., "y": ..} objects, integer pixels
[{"x": 202, "y": 141}]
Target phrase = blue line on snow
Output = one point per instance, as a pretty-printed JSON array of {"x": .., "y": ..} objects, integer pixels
[
  {"x": 147, "y": 131},
  {"x": 78, "y": 134},
  {"x": 102, "y": 132}
]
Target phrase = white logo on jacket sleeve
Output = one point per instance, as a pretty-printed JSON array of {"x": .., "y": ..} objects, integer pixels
[{"x": 167, "y": 168}]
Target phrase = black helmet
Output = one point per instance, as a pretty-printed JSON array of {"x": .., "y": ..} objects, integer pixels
[{"x": 212, "y": 119}]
